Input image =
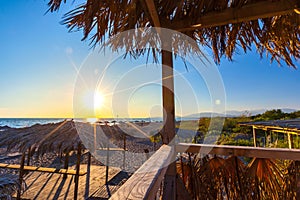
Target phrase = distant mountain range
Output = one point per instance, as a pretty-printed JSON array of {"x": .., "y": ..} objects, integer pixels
[{"x": 231, "y": 113}]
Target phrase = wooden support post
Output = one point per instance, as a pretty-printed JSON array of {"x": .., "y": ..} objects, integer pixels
[
  {"x": 89, "y": 160},
  {"x": 289, "y": 140},
  {"x": 21, "y": 172},
  {"x": 77, "y": 171},
  {"x": 66, "y": 163},
  {"x": 168, "y": 97},
  {"x": 28, "y": 156},
  {"x": 254, "y": 136},
  {"x": 168, "y": 135},
  {"x": 95, "y": 138},
  {"x": 124, "y": 152},
  {"x": 107, "y": 164},
  {"x": 147, "y": 153}
]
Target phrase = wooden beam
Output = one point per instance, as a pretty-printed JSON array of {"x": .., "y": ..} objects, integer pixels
[
  {"x": 246, "y": 13},
  {"x": 28, "y": 156},
  {"x": 66, "y": 163},
  {"x": 254, "y": 136},
  {"x": 145, "y": 182},
  {"x": 289, "y": 141},
  {"x": 111, "y": 149},
  {"x": 278, "y": 129},
  {"x": 21, "y": 173},
  {"x": 42, "y": 169},
  {"x": 77, "y": 172},
  {"x": 168, "y": 131},
  {"x": 258, "y": 152},
  {"x": 124, "y": 154},
  {"x": 107, "y": 164},
  {"x": 168, "y": 98},
  {"x": 153, "y": 12}
]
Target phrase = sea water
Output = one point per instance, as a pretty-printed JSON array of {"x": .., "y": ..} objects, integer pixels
[{"x": 26, "y": 122}]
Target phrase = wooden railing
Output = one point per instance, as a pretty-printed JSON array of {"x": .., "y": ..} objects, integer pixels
[
  {"x": 145, "y": 182},
  {"x": 258, "y": 152}
]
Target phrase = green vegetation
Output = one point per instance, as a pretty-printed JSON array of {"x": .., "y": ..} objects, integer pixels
[
  {"x": 196, "y": 131},
  {"x": 275, "y": 114},
  {"x": 234, "y": 134}
]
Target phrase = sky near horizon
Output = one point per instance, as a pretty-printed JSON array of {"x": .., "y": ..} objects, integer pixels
[{"x": 40, "y": 60}]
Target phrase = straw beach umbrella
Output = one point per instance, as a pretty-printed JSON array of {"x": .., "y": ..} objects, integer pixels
[
  {"x": 8, "y": 185},
  {"x": 223, "y": 25},
  {"x": 272, "y": 26},
  {"x": 59, "y": 137}
]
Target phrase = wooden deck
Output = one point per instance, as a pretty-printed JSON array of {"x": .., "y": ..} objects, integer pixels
[
  {"x": 42, "y": 185},
  {"x": 43, "y": 169}
]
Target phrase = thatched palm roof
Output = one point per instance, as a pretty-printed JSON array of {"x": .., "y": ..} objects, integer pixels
[
  {"x": 223, "y": 25},
  {"x": 65, "y": 136},
  {"x": 52, "y": 137},
  {"x": 8, "y": 185}
]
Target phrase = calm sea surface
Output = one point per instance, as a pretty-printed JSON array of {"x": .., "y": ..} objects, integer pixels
[{"x": 25, "y": 122}]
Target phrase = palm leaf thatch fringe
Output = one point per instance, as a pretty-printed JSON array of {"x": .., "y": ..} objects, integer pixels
[
  {"x": 292, "y": 181},
  {"x": 59, "y": 137},
  {"x": 277, "y": 36},
  {"x": 213, "y": 177},
  {"x": 63, "y": 137},
  {"x": 266, "y": 177},
  {"x": 8, "y": 185}
]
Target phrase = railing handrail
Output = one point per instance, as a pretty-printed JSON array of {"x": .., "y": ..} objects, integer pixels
[
  {"x": 246, "y": 151},
  {"x": 145, "y": 182}
]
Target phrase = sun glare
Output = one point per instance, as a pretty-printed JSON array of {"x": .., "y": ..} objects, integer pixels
[
  {"x": 98, "y": 100},
  {"x": 92, "y": 120}
]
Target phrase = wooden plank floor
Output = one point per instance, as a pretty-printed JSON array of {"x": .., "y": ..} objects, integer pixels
[
  {"x": 53, "y": 186},
  {"x": 43, "y": 169},
  {"x": 106, "y": 191}
]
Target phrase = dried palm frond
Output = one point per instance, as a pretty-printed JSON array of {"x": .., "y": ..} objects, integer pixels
[
  {"x": 276, "y": 36},
  {"x": 266, "y": 178},
  {"x": 8, "y": 185},
  {"x": 214, "y": 177},
  {"x": 292, "y": 178},
  {"x": 229, "y": 178},
  {"x": 59, "y": 137}
]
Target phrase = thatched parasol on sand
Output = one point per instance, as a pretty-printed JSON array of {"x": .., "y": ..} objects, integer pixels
[
  {"x": 59, "y": 137},
  {"x": 8, "y": 185},
  {"x": 40, "y": 139}
]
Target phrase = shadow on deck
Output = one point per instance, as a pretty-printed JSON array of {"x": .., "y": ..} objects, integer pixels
[{"x": 105, "y": 191}]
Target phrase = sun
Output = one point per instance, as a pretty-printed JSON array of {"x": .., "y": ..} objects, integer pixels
[
  {"x": 93, "y": 100},
  {"x": 98, "y": 100}
]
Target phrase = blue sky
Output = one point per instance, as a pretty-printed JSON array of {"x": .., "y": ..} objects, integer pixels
[{"x": 39, "y": 60}]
